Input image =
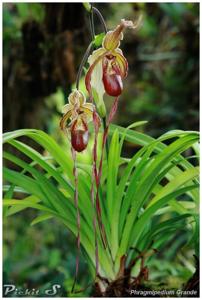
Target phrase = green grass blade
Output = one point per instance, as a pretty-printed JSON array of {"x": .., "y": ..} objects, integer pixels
[{"x": 41, "y": 218}]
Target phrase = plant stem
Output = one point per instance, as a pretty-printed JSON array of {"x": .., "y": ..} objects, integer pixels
[
  {"x": 105, "y": 128},
  {"x": 75, "y": 173},
  {"x": 97, "y": 204},
  {"x": 99, "y": 15},
  {"x": 82, "y": 64},
  {"x": 92, "y": 29}
]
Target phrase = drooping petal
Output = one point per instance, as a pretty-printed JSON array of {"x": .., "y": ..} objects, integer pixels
[
  {"x": 121, "y": 62},
  {"x": 93, "y": 80},
  {"x": 64, "y": 120},
  {"x": 95, "y": 68}
]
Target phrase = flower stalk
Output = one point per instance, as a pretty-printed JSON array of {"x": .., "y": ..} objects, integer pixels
[
  {"x": 82, "y": 64},
  {"x": 75, "y": 173},
  {"x": 99, "y": 15}
]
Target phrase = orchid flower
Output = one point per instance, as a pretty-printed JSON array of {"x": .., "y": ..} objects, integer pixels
[
  {"x": 108, "y": 66},
  {"x": 79, "y": 113}
]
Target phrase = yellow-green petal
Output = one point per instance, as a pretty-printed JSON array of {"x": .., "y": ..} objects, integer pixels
[
  {"x": 121, "y": 61},
  {"x": 64, "y": 120},
  {"x": 66, "y": 108}
]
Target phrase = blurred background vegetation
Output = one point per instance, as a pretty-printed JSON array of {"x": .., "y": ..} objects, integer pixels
[{"x": 43, "y": 45}]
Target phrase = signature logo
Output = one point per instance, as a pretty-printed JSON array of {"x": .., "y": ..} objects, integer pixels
[{"x": 12, "y": 290}]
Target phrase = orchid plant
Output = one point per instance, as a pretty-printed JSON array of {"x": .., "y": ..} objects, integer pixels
[
  {"x": 107, "y": 68},
  {"x": 113, "y": 214}
]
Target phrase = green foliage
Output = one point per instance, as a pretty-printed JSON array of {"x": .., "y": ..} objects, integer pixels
[
  {"x": 27, "y": 11},
  {"x": 14, "y": 15},
  {"x": 98, "y": 39},
  {"x": 40, "y": 259},
  {"x": 157, "y": 177}
]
